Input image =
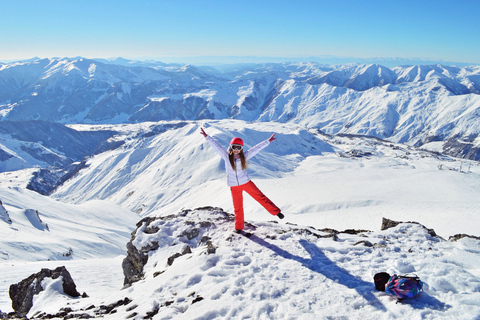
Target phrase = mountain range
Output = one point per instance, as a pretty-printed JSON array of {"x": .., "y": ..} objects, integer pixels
[{"x": 434, "y": 106}]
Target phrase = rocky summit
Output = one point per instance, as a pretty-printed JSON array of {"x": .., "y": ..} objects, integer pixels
[{"x": 192, "y": 265}]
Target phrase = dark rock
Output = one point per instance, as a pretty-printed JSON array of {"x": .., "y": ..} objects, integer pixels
[
  {"x": 190, "y": 234},
  {"x": 170, "y": 259},
  {"x": 4, "y": 214},
  {"x": 462, "y": 149},
  {"x": 328, "y": 230},
  {"x": 354, "y": 231},
  {"x": 157, "y": 273},
  {"x": 462, "y": 235},
  {"x": 135, "y": 261},
  {"x": 22, "y": 293},
  {"x": 16, "y": 315},
  {"x": 365, "y": 243},
  {"x": 197, "y": 299},
  {"x": 330, "y": 233},
  {"x": 210, "y": 247},
  {"x": 132, "y": 307},
  {"x": 387, "y": 224},
  {"x": 355, "y": 154},
  {"x": 111, "y": 308},
  {"x": 204, "y": 239},
  {"x": 152, "y": 313},
  {"x": 46, "y": 180}
]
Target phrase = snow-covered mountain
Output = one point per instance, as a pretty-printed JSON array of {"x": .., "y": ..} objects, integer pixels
[
  {"x": 26, "y": 144},
  {"x": 414, "y": 104}
]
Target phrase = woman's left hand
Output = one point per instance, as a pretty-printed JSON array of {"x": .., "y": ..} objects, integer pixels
[{"x": 272, "y": 138}]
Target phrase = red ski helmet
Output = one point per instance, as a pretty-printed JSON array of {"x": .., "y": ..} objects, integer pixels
[{"x": 236, "y": 140}]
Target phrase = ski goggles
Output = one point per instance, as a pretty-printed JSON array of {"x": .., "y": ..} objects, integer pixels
[{"x": 236, "y": 147}]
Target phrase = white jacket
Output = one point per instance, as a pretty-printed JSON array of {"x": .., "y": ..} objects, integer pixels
[{"x": 239, "y": 176}]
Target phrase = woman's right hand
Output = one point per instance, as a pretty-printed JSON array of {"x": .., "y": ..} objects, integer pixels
[{"x": 203, "y": 133}]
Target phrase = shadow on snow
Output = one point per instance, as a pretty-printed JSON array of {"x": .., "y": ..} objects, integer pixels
[{"x": 321, "y": 264}]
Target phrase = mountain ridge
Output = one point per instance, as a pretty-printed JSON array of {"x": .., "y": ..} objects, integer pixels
[{"x": 414, "y": 105}]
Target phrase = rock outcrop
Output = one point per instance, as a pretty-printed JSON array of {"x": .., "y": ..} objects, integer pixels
[
  {"x": 4, "y": 214},
  {"x": 387, "y": 224},
  {"x": 137, "y": 254},
  {"x": 22, "y": 293}
]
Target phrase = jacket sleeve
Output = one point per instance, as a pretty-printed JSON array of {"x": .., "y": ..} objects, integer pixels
[
  {"x": 218, "y": 148},
  {"x": 256, "y": 149}
]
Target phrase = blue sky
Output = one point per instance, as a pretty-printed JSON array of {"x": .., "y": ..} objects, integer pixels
[{"x": 438, "y": 30}]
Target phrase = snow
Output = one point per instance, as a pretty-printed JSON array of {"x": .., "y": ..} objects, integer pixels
[
  {"x": 281, "y": 271},
  {"x": 52, "y": 292}
]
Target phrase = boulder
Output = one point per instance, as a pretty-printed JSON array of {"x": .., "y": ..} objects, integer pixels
[
  {"x": 387, "y": 224},
  {"x": 22, "y": 293}
]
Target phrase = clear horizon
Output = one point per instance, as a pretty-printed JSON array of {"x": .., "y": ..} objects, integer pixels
[{"x": 426, "y": 30}]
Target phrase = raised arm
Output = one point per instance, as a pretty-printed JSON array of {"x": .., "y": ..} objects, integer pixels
[
  {"x": 217, "y": 147},
  {"x": 257, "y": 148}
]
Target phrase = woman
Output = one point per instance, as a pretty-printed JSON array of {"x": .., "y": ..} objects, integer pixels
[{"x": 237, "y": 177}]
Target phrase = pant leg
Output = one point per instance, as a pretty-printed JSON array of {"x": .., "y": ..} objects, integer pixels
[
  {"x": 237, "y": 197},
  {"x": 258, "y": 195}
]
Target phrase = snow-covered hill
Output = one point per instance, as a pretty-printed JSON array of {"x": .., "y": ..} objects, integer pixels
[
  {"x": 316, "y": 178},
  {"x": 414, "y": 104}
]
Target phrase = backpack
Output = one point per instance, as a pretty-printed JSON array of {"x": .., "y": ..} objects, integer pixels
[{"x": 401, "y": 286}]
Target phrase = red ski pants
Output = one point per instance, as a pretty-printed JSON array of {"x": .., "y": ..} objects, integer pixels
[{"x": 255, "y": 193}]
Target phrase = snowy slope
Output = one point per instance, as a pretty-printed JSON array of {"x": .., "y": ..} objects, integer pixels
[
  {"x": 27, "y": 144},
  {"x": 38, "y": 228},
  {"x": 44, "y": 229}
]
